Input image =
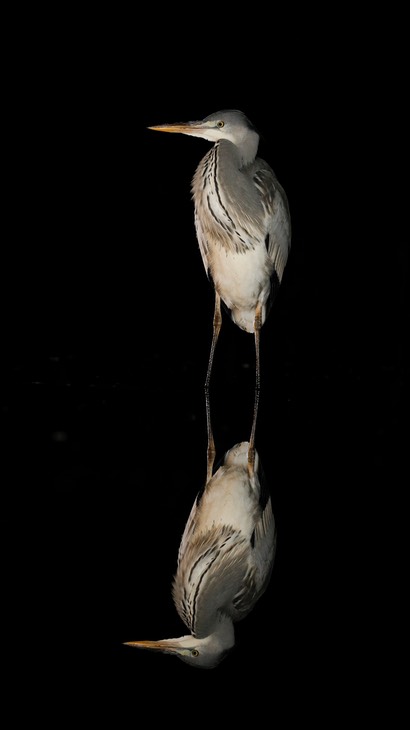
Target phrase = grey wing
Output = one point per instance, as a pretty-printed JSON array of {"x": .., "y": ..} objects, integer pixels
[
  {"x": 276, "y": 214},
  {"x": 260, "y": 569},
  {"x": 264, "y": 547}
]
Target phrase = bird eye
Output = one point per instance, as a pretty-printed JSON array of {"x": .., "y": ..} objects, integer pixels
[
  {"x": 220, "y": 124},
  {"x": 194, "y": 652}
]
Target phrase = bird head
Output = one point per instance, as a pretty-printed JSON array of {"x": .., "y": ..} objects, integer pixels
[
  {"x": 204, "y": 653},
  {"x": 230, "y": 124}
]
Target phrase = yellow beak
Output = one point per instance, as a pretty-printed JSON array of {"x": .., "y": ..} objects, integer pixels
[
  {"x": 155, "y": 645},
  {"x": 182, "y": 127}
]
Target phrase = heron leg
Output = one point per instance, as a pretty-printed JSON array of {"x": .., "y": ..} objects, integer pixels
[
  {"x": 210, "y": 454},
  {"x": 251, "y": 449},
  {"x": 215, "y": 334},
  {"x": 217, "y": 321}
]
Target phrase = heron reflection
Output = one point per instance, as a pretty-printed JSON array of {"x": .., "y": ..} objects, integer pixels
[{"x": 225, "y": 559}]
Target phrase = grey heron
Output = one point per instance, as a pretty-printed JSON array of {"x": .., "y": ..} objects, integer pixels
[
  {"x": 225, "y": 560},
  {"x": 242, "y": 224}
]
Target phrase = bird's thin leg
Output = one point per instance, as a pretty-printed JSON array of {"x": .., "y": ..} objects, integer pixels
[
  {"x": 216, "y": 330},
  {"x": 211, "y": 443},
  {"x": 210, "y": 454},
  {"x": 251, "y": 450}
]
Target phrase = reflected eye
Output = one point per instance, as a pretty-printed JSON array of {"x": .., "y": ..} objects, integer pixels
[
  {"x": 220, "y": 124},
  {"x": 194, "y": 652}
]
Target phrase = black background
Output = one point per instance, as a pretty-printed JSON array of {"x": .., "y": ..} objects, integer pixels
[{"x": 106, "y": 326}]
